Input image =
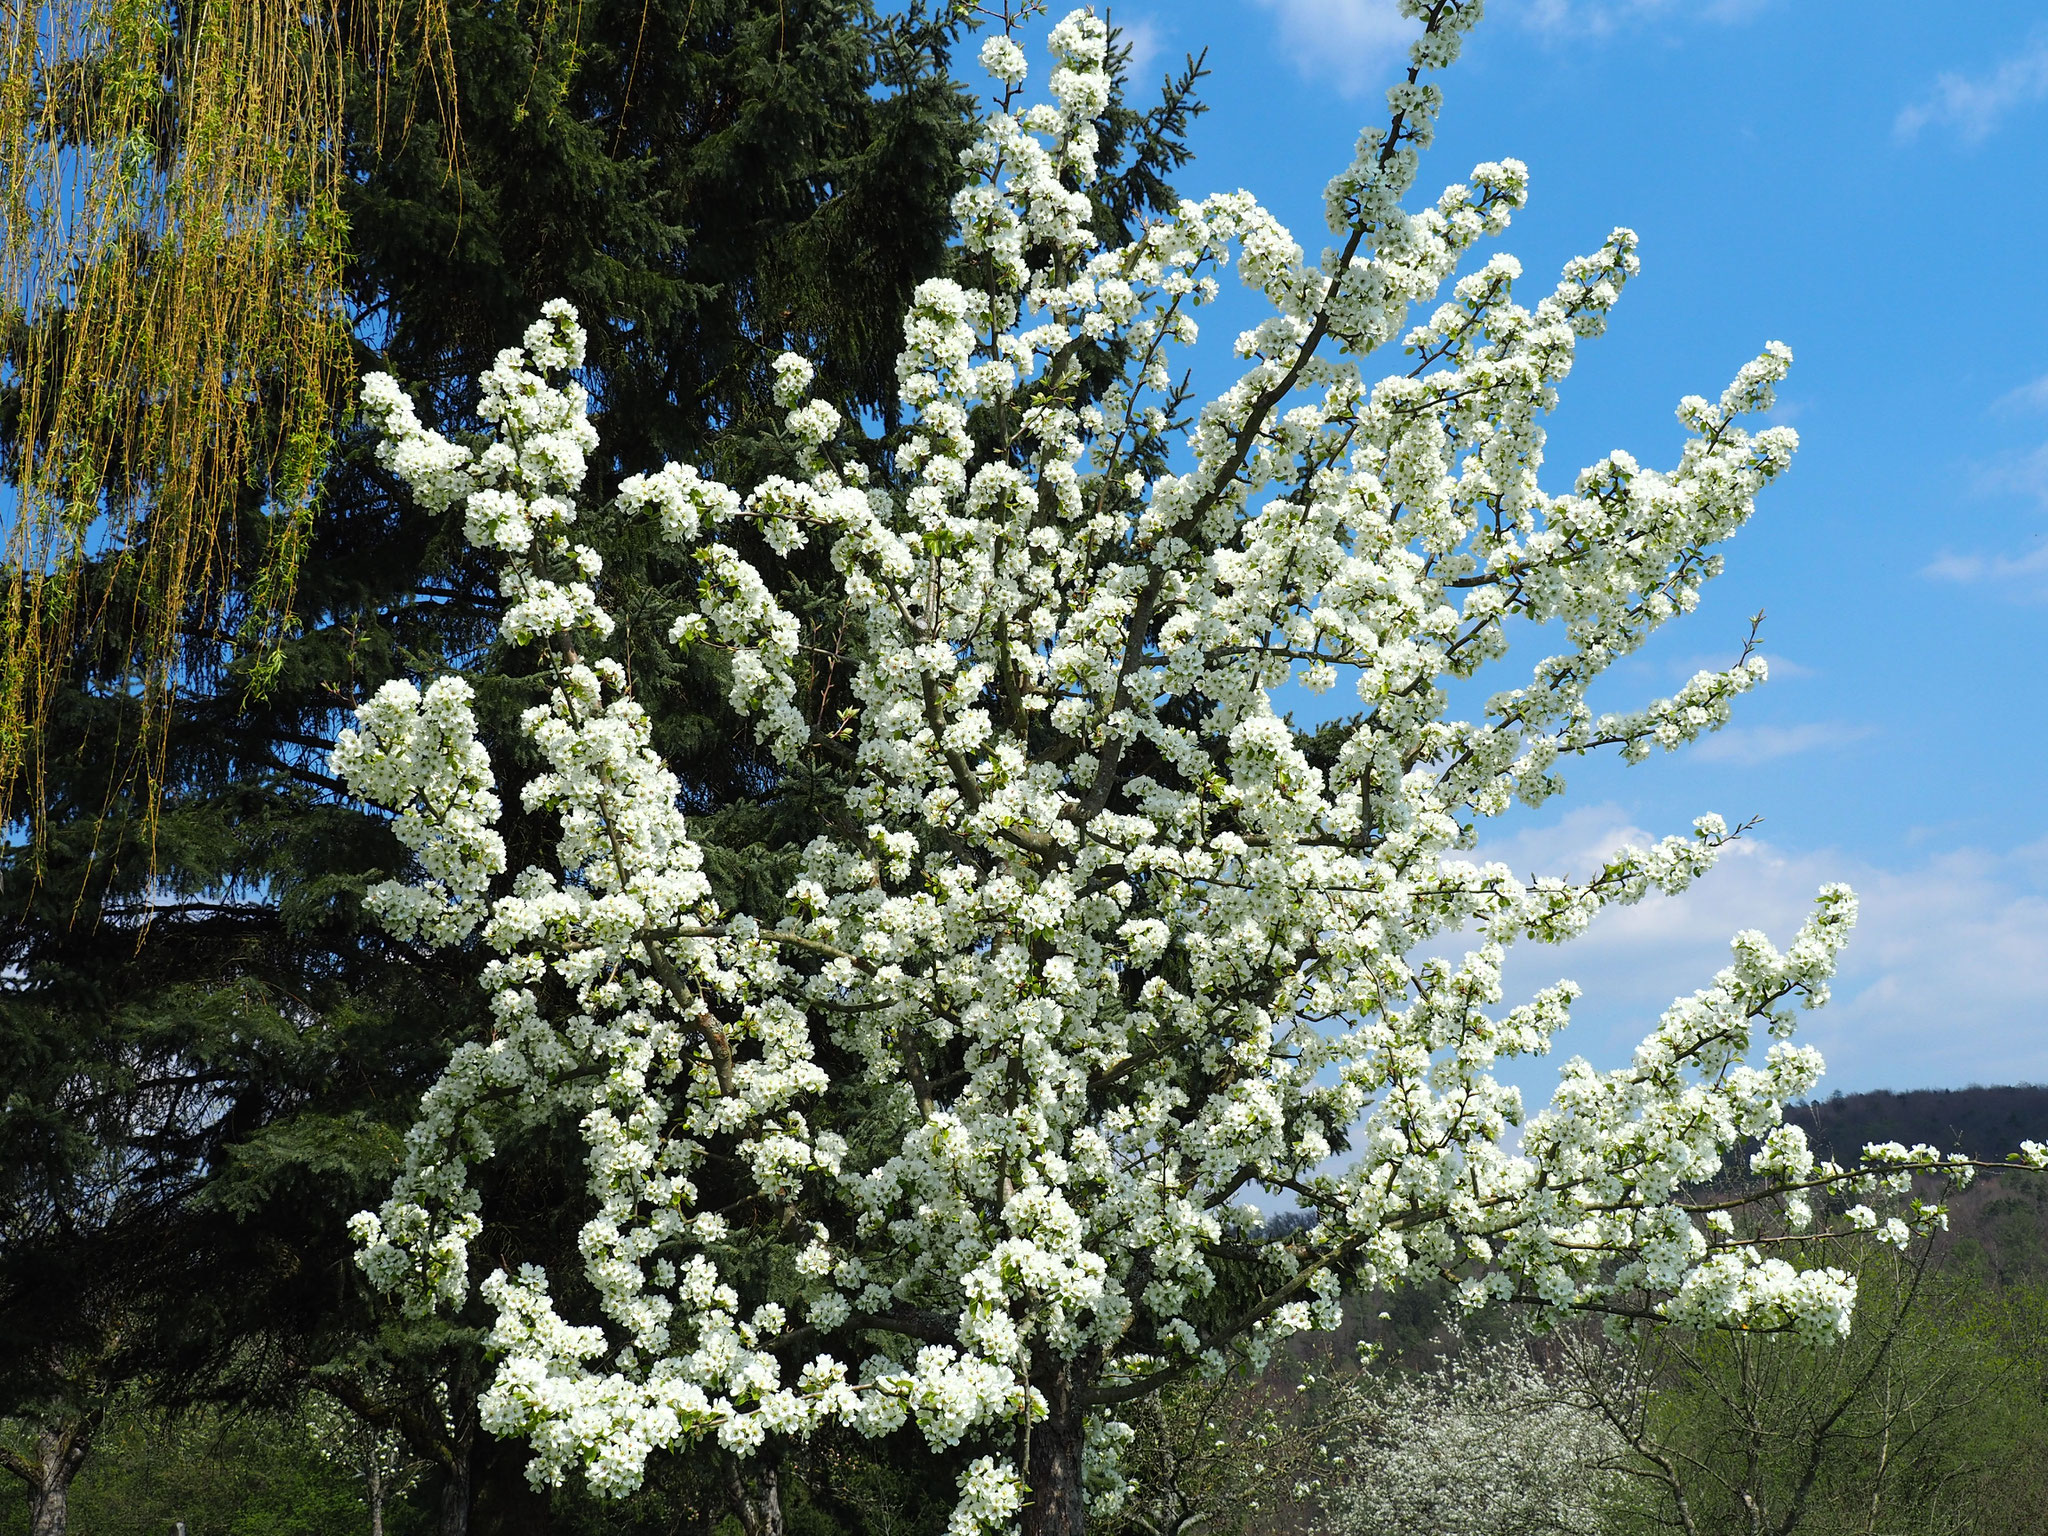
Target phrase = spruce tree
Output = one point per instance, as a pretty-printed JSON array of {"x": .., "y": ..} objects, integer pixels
[{"x": 204, "y": 1048}]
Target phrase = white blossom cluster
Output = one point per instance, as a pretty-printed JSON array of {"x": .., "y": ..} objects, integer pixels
[
  {"x": 1485, "y": 1445},
  {"x": 1109, "y": 946}
]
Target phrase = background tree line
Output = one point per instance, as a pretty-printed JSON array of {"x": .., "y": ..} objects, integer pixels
[{"x": 1931, "y": 1417}]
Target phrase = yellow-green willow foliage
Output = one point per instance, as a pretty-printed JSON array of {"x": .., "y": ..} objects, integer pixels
[{"x": 171, "y": 248}]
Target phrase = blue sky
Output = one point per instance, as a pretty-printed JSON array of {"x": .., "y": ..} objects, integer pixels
[{"x": 1857, "y": 178}]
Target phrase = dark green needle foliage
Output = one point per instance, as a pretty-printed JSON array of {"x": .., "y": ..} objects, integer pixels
[{"x": 207, "y": 1053}]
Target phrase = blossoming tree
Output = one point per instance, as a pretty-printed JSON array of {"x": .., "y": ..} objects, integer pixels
[{"x": 1098, "y": 943}]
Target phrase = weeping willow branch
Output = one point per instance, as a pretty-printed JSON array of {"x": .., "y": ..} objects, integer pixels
[{"x": 171, "y": 339}]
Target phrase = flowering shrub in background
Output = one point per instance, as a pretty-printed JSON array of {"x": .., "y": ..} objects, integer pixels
[
  {"x": 1487, "y": 1444},
  {"x": 1098, "y": 943}
]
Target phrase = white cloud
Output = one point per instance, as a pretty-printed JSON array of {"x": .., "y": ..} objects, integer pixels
[
  {"x": 1944, "y": 983},
  {"x": 1597, "y": 18},
  {"x": 2027, "y": 399},
  {"x": 1355, "y": 45},
  {"x": 1784, "y": 668},
  {"x": 1146, "y": 39},
  {"x": 1972, "y": 108},
  {"x": 2015, "y": 474},
  {"x": 1971, "y": 569},
  {"x": 1359, "y": 45},
  {"x": 1683, "y": 668},
  {"x": 1748, "y": 745}
]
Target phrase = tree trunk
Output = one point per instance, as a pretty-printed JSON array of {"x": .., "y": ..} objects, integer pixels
[
  {"x": 759, "y": 1509},
  {"x": 455, "y": 1494},
  {"x": 1052, "y": 1500},
  {"x": 60, "y": 1451},
  {"x": 48, "y": 1510},
  {"x": 458, "y": 1460},
  {"x": 59, "y": 1454},
  {"x": 504, "y": 1502},
  {"x": 375, "y": 1478}
]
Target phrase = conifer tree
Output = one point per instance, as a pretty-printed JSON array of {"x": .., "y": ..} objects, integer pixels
[{"x": 192, "y": 997}]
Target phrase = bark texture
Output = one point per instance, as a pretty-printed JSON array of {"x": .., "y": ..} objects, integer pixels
[
  {"x": 455, "y": 1494},
  {"x": 756, "y": 1500},
  {"x": 60, "y": 1451},
  {"x": 1052, "y": 1501}
]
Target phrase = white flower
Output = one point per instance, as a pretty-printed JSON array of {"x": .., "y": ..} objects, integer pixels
[
  {"x": 1003, "y": 59},
  {"x": 1094, "y": 945}
]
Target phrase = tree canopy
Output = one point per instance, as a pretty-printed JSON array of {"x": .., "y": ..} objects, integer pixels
[
  {"x": 952, "y": 1122},
  {"x": 843, "y": 922}
]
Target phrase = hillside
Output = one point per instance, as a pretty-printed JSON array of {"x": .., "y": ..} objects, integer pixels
[{"x": 1988, "y": 1123}]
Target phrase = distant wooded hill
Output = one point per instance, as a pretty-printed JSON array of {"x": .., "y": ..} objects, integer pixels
[{"x": 1987, "y": 1123}]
